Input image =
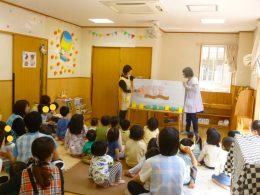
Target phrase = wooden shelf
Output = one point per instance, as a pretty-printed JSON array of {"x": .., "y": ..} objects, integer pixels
[
  {"x": 217, "y": 115},
  {"x": 214, "y": 125},
  {"x": 218, "y": 106}
]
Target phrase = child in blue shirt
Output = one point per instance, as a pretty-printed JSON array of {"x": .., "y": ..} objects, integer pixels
[
  {"x": 62, "y": 124},
  {"x": 113, "y": 145}
]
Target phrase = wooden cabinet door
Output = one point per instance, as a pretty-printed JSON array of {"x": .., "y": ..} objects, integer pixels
[{"x": 27, "y": 80}]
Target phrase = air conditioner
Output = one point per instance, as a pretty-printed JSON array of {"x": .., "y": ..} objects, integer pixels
[{"x": 135, "y": 6}]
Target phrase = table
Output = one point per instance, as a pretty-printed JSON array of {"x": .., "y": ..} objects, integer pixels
[
  {"x": 150, "y": 111},
  {"x": 243, "y": 164}
]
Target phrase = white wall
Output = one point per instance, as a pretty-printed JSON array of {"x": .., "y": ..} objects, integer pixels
[
  {"x": 6, "y": 45},
  {"x": 245, "y": 46},
  {"x": 117, "y": 40},
  {"x": 179, "y": 50}
]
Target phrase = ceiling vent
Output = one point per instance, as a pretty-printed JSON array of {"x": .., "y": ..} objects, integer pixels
[{"x": 135, "y": 6}]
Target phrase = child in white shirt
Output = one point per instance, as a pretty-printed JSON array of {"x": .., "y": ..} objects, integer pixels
[
  {"x": 103, "y": 170},
  {"x": 151, "y": 129},
  {"x": 211, "y": 149},
  {"x": 220, "y": 178}
]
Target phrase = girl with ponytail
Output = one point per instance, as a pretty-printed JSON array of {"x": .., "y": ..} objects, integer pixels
[{"x": 42, "y": 177}]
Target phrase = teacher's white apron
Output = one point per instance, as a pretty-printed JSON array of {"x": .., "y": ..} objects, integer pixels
[
  {"x": 125, "y": 98},
  {"x": 193, "y": 101}
]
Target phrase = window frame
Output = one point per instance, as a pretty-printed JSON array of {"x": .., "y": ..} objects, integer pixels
[{"x": 200, "y": 62}]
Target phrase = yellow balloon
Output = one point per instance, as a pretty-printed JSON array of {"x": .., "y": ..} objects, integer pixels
[
  {"x": 10, "y": 138},
  {"x": 53, "y": 107},
  {"x": 7, "y": 128},
  {"x": 45, "y": 109}
]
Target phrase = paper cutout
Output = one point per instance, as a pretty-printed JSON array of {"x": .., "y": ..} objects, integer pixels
[
  {"x": 134, "y": 105},
  {"x": 45, "y": 109},
  {"x": 167, "y": 108},
  {"x": 7, "y": 128}
]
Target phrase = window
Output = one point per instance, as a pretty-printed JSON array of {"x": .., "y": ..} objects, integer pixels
[{"x": 214, "y": 72}]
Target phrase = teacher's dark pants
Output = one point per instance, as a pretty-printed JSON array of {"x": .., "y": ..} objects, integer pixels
[
  {"x": 122, "y": 114},
  {"x": 136, "y": 188},
  {"x": 192, "y": 118}
]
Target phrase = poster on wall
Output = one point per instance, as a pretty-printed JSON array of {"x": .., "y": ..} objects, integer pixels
[
  {"x": 29, "y": 59},
  {"x": 158, "y": 92}
]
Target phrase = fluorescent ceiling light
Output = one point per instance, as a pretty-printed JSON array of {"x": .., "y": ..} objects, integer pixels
[
  {"x": 101, "y": 21},
  {"x": 212, "y": 21},
  {"x": 202, "y": 8}
]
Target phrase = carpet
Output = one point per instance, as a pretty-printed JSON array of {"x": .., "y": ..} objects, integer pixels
[{"x": 77, "y": 182}]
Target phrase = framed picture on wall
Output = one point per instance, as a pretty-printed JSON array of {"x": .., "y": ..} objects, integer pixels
[{"x": 29, "y": 59}]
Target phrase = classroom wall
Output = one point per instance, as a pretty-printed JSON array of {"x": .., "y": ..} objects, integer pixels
[
  {"x": 245, "y": 46},
  {"x": 117, "y": 37},
  {"x": 179, "y": 50}
]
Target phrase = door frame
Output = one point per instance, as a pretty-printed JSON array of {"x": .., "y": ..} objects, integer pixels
[
  {"x": 45, "y": 68},
  {"x": 91, "y": 73}
]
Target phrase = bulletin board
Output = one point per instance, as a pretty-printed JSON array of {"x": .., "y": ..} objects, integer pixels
[{"x": 158, "y": 92}]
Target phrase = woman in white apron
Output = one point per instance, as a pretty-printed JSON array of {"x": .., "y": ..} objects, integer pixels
[
  {"x": 193, "y": 102},
  {"x": 125, "y": 91}
]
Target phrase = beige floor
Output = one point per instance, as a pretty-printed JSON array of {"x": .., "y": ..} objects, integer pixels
[{"x": 204, "y": 185}]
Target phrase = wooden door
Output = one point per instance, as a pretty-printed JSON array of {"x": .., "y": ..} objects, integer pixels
[
  {"x": 140, "y": 59},
  {"x": 27, "y": 80},
  {"x": 107, "y": 65},
  {"x": 105, "y": 76}
]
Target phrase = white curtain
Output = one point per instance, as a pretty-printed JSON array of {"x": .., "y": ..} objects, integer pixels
[
  {"x": 256, "y": 48},
  {"x": 231, "y": 55}
]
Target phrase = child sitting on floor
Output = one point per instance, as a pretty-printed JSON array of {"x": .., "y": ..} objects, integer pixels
[
  {"x": 124, "y": 130},
  {"x": 211, "y": 149},
  {"x": 62, "y": 124},
  {"x": 185, "y": 152},
  {"x": 136, "y": 169},
  {"x": 220, "y": 178},
  {"x": 232, "y": 133},
  {"x": 75, "y": 136},
  {"x": 101, "y": 131},
  {"x": 151, "y": 129},
  {"x": 255, "y": 128},
  {"x": 93, "y": 123},
  {"x": 91, "y": 136},
  {"x": 165, "y": 172},
  {"x": 102, "y": 169},
  {"x": 135, "y": 147},
  {"x": 197, "y": 145},
  {"x": 113, "y": 145}
]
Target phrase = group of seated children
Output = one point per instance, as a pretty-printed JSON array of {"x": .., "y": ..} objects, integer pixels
[{"x": 158, "y": 161}]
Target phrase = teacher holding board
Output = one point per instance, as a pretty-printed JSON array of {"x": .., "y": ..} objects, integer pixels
[
  {"x": 125, "y": 91},
  {"x": 193, "y": 102}
]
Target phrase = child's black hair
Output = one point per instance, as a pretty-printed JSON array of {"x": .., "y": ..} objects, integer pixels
[
  {"x": 33, "y": 121},
  {"x": 112, "y": 134},
  {"x": 152, "y": 124},
  {"x": 114, "y": 121},
  {"x": 19, "y": 107},
  {"x": 213, "y": 137},
  {"x": 152, "y": 152},
  {"x": 91, "y": 135},
  {"x": 94, "y": 121},
  {"x": 232, "y": 133},
  {"x": 64, "y": 111},
  {"x": 45, "y": 99},
  {"x": 256, "y": 126},
  {"x": 185, "y": 142},
  {"x": 76, "y": 124},
  {"x": 152, "y": 143},
  {"x": 169, "y": 141},
  {"x": 227, "y": 142},
  {"x": 99, "y": 148},
  {"x": 136, "y": 132},
  {"x": 124, "y": 124},
  {"x": 105, "y": 120},
  {"x": 198, "y": 139}
]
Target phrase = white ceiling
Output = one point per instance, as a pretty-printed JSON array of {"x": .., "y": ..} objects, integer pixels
[{"x": 239, "y": 15}]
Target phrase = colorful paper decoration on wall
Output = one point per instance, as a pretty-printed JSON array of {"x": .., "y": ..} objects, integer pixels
[
  {"x": 127, "y": 34},
  {"x": 64, "y": 53}
]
